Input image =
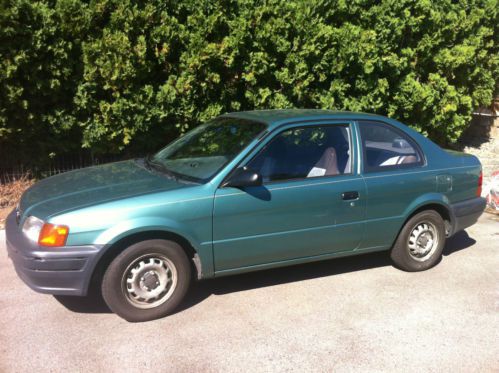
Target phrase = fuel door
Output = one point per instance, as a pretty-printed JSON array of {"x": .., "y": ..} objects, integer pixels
[{"x": 444, "y": 183}]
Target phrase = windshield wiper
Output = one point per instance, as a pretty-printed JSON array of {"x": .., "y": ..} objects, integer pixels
[{"x": 151, "y": 164}]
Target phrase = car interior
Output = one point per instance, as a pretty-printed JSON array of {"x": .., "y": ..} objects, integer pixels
[
  {"x": 305, "y": 153},
  {"x": 386, "y": 147},
  {"x": 380, "y": 154}
]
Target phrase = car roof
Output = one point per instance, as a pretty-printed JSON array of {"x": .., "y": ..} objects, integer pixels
[{"x": 277, "y": 117}]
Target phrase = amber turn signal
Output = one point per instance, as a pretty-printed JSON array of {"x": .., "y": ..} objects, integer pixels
[{"x": 53, "y": 235}]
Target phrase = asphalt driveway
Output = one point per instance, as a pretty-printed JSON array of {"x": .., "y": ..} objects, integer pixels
[{"x": 347, "y": 314}]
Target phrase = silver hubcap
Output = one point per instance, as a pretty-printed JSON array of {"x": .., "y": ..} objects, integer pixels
[
  {"x": 149, "y": 281},
  {"x": 423, "y": 241}
]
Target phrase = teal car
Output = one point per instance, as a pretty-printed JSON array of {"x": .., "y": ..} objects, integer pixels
[{"x": 244, "y": 192}]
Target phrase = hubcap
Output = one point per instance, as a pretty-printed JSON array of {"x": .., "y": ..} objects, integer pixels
[
  {"x": 149, "y": 281},
  {"x": 423, "y": 241}
]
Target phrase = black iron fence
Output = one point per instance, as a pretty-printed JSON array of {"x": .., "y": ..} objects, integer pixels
[{"x": 12, "y": 170}]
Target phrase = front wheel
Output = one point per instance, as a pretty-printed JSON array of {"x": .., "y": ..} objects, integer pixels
[
  {"x": 420, "y": 243},
  {"x": 147, "y": 280}
]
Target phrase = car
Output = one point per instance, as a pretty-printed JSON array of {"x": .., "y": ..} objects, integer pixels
[{"x": 245, "y": 191}]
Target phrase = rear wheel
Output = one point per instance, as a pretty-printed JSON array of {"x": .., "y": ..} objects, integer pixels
[
  {"x": 420, "y": 243},
  {"x": 147, "y": 280}
]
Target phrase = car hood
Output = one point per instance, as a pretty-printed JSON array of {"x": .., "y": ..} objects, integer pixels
[{"x": 91, "y": 186}]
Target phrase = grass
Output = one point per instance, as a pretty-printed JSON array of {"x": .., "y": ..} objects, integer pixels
[{"x": 10, "y": 193}]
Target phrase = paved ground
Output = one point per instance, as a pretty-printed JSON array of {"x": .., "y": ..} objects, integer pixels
[{"x": 343, "y": 315}]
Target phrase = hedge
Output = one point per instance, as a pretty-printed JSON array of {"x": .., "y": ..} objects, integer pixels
[{"x": 118, "y": 76}]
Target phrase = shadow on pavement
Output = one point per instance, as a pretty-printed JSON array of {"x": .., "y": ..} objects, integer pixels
[
  {"x": 459, "y": 241},
  {"x": 271, "y": 277},
  {"x": 201, "y": 290},
  {"x": 92, "y": 303}
]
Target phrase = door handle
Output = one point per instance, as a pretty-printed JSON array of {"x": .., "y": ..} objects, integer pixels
[{"x": 348, "y": 196}]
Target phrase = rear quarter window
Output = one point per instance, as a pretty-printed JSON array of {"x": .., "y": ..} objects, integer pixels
[{"x": 387, "y": 148}]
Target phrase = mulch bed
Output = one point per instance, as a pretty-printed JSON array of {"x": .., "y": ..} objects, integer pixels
[
  {"x": 3, "y": 215},
  {"x": 491, "y": 211},
  {"x": 10, "y": 193}
]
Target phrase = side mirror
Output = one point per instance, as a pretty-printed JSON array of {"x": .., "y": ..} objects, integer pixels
[{"x": 243, "y": 177}]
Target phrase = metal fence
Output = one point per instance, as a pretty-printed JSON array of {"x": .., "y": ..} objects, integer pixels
[{"x": 12, "y": 170}]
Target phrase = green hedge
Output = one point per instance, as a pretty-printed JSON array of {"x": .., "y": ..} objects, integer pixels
[{"x": 122, "y": 76}]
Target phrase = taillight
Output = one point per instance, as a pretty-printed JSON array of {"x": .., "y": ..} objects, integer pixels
[
  {"x": 480, "y": 181},
  {"x": 53, "y": 235}
]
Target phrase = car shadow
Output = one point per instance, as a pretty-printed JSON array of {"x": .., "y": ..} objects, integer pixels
[
  {"x": 92, "y": 303},
  {"x": 200, "y": 290},
  {"x": 460, "y": 241},
  {"x": 279, "y": 276}
]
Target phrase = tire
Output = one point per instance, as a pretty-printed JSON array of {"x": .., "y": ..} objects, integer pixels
[
  {"x": 147, "y": 280},
  {"x": 420, "y": 242}
]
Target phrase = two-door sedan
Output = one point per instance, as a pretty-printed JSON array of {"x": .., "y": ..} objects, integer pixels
[{"x": 245, "y": 191}]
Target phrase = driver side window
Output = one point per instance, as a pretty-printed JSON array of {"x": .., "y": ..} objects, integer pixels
[{"x": 305, "y": 152}]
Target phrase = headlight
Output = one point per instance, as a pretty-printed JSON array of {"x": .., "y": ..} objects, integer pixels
[
  {"x": 32, "y": 227},
  {"x": 45, "y": 234}
]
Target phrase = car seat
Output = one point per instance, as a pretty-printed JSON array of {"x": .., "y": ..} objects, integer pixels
[{"x": 327, "y": 165}]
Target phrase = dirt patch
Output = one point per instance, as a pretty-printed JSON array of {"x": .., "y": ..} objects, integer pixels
[
  {"x": 3, "y": 215},
  {"x": 10, "y": 193},
  {"x": 491, "y": 211}
]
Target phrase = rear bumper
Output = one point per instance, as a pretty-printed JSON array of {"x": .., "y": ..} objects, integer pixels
[
  {"x": 63, "y": 271},
  {"x": 466, "y": 213}
]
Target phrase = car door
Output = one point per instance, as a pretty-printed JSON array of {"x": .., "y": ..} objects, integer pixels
[
  {"x": 312, "y": 202},
  {"x": 394, "y": 169}
]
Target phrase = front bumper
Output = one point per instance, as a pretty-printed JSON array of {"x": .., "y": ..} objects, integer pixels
[
  {"x": 63, "y": 270},
  {"x": 466, "y": 213}
]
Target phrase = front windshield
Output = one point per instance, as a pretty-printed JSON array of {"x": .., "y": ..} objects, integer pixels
[{"x": 202, "y": 152}]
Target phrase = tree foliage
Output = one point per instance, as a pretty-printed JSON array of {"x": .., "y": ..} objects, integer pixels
[{"x": 120, "y": 75}]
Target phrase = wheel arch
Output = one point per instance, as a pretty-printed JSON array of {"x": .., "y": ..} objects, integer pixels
[
  {"x": 442, "y": 210},
  {"x": 436, "y": 202},
  {"x": 113, "y": 249}
]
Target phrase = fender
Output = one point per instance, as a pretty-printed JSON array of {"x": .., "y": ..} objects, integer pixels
[
  {"x": 129, "y": 227},
  {"x": 427, "y": 199},
  {"x": 432, "y": 199}
]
